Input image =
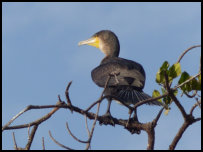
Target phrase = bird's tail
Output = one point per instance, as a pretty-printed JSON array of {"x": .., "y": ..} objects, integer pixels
[
  {"x": 145, "y": 96},
  {"x": 132, "y": 96}
]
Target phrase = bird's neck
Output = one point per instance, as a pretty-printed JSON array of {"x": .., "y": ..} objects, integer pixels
[
  {"x": 114, "y": 53},
  {"x": 110, "y": 51},
  {"x": 107, "y": 59}
]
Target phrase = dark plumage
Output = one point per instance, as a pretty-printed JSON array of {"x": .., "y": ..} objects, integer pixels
[{"x": 129, "y": 81}]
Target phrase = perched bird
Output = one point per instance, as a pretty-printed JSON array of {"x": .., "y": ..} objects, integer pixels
[{"x": 127, "y": 78}]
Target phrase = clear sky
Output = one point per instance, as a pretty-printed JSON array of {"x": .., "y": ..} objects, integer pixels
[{"x": 41, "y": 55}]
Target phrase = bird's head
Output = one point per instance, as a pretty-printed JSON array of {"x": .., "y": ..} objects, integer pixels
[{"x": 106, "y": 41}]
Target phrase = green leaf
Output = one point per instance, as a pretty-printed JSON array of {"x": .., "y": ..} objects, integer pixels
[
  {"x": 184, "y": 76},
  {"x": 167, "y": 100},
  {"x": 159, "y": 77},
  {"x": 163, "y": 90},
  {"x": 164, "y": 66},
  {"x": 174, "y": 71},
  {"x": 160, "y": 74},
  {"x": 156, "y": 94},
  {"x": 199, "y": 79},
  {"x": 194, "y": 84}
]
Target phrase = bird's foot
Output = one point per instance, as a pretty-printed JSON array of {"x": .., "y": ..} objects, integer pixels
[
  {"x": 133, "y": 120},
  {"x": 134, "y": 129},
  {"x": 107, "y": 119}
]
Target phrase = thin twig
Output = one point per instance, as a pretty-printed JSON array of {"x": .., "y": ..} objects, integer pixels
[
  {"x": 149, "y": 100},
  {"x": 86, "y": 125},
  {"x": 73, "y": 135},
  {"x": 198, "y": 102},
  {"x": 96, "y": 117},
  {"x": 158, "y": 116},
  {"x": 191, "y": 96},
  {"x": 31, "y": 137},
  {"x": 106, "y": 96},
  {"x": 194, "y": 106},
  {"x": 61, "y": 145},
  {"x": 93, "y": 126},
  {"x": 43, "y": 145},
  {"x": 15, "y": 117},
  {"x": 36, "y": 122},
  {"x": 14, "y": 141},
  {"x": 28, "y": 131},
  {"x": 101, "y": 96},
  {"x": 90, "y": 134},
  {"x": 67, "y": 95},
  {"x": 190, "y": 48}
]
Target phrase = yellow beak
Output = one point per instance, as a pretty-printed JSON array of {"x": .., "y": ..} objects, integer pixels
[{"x": 94, "y": 41}]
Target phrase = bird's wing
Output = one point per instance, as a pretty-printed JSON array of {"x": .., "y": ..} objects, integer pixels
[{"x": 126, "y": 72}]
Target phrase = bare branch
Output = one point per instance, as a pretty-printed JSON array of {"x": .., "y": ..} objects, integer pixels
[
  {"x": 14, "y": 141},
  {"x": 86, "y": 125},
  {"x": 194, "y": 106},
  {"x": 192, "y": 47},
  {"x": 190, "y": 120},
  {"x": 101, "y": 96},
  {"x": 96, "y": 102},
  {"x": 149, "y": 100},
  {"x": 151, "y": 137},
  {"x": 131, "y": 125},
  {"x": 61, "y": 145},
  {"x": 157, "y": 117},
  {"x": 15, "y": 117},
  {"x": 94, "y": 123},
  {"x": 43, "y": 145},
  {"x": 67, "y": 95},
  {"x": 31, "y": 137},
  {"x": 191, "y": 96},
  {"x": 93, "y": 126},
  {"x": 151, "y": 131},
  {"x": 37, "y": 122},
  {"x": 73, "y": 135},
  {"x": 198, "y": 102}
]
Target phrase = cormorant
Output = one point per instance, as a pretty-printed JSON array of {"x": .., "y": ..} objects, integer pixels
[{"x": 129, "y": 76}]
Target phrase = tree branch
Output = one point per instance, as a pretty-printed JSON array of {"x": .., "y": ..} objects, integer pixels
[
  {"x": 31, "y": 137},
  {"x": 37, "y": 122},
  {"x": 192, "y": 47},
  {"x": 185, "y": 125},
  {"x": 61, "y": 145}
]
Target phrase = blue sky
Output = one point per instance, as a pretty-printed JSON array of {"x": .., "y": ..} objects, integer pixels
[{"x": 41, "y": 55}]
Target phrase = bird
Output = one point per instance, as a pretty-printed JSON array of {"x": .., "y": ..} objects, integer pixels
[{"x": 127, "y": 77}]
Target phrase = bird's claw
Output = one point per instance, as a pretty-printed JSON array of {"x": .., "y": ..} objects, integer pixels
[{"x": 107, "y": 119}]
